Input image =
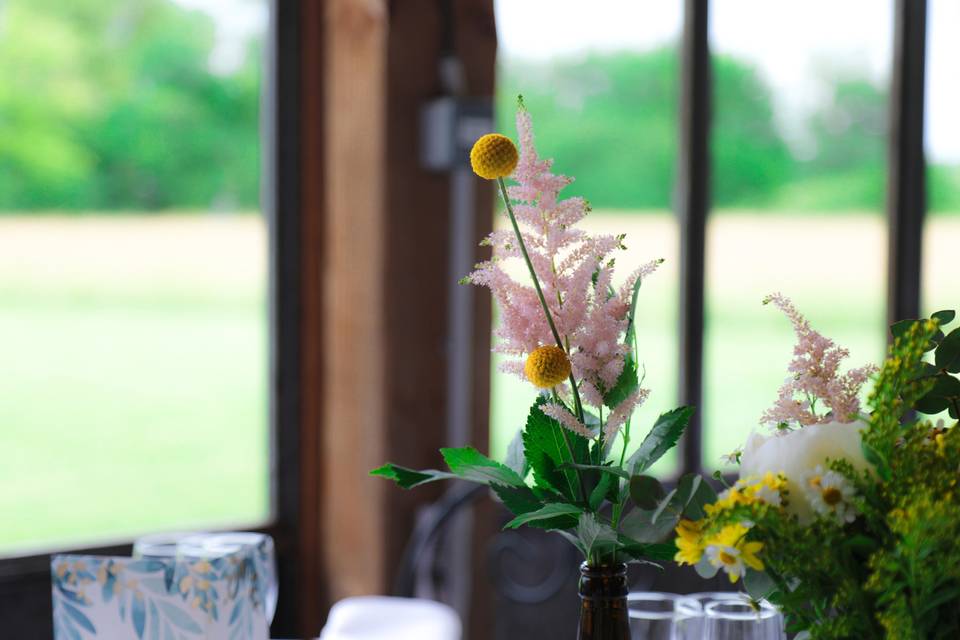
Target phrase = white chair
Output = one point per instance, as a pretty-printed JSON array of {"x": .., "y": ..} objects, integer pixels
[{"x": 383, "y": 618}]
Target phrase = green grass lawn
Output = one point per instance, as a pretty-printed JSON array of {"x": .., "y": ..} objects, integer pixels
[{"x": 133, "y": 350}]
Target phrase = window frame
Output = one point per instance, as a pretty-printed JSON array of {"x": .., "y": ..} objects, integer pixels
[{"x": 25, "y": 600}]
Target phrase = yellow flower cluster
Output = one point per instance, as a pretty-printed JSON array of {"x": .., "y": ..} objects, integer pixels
[
  {"x": 725, "y": 544},
  {"x": 547, "y": 366},
  {"x": 493, "y": 156}
]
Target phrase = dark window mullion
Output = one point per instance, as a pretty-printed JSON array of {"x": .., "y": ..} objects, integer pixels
[
  {"x": 692, "y": 204},
  {"x": 906, "y": 188}
]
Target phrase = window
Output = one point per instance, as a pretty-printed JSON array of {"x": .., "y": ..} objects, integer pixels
[
  {"x": 132, "y": 270},
  {"x": 603, "y": 96}
]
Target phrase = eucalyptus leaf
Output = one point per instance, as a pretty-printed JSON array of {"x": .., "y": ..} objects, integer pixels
[
  {"x": 646, "y": 491},
  {"x": 638, "y": 525},
  {"x": 948, "y": 351},
  {"x": 945, "y": 317},
  {"x": 900, "y": 327},
  {"x": 758, "y": 584}
]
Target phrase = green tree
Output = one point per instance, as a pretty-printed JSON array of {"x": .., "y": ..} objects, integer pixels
[{"x": 110, "y": 104}]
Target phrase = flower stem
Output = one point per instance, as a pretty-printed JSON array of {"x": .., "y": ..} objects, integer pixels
[{"x": 543, "y": 301}]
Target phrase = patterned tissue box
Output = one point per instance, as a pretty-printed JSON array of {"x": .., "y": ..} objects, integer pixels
[{"x": 111, "y": 598}]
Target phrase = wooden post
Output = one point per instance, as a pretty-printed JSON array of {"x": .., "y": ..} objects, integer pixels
[{"x": 384, "y": 277}]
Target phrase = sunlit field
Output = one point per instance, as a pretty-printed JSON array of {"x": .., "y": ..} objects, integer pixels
[
  {"x": 132, "y": 391},
  {"x": 133, "y": 386}
]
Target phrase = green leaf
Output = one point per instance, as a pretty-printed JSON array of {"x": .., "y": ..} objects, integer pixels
[
  {"x": 758, "y": 584},
  {"x": 408, "y": 478},
  {"x": 518, "y": 500},
  {"x": 595, "y": 536},
  {"x": 931, "y": 405},
  {"x": 945, "y": 317},
  {"x": 603, "y": 468},
  {"x": 900, "y": 327},
  {"x": 638, "y": 524},
  {"x": 568, "y": 512},
  {"x": 662, "y": 437},
  {"x": 626, "y": 384},
  {"x": 699, "y": 495},
  {"x": 546, "y": 452},
  {"x": 516, "y": 459},
  {"x": 945, "y": 387},
  {"x": 948, "y": 351},
  {"x": 600, "y": 490},
  {"x": 876, "y": 459},
  {"x": 654, "y": 552},
  {"x": 470, "y": 464},
  {"x": 646, "y": 491}
]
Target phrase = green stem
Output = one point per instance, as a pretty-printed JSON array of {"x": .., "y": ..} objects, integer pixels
[{"x": 543, "y": 301}]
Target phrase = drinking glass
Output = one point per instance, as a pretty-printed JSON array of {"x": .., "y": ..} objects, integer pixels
[
  {"x": 732, "y": 620},
  {"x": 161, "y": 545},
  {"x": 662, "y": 616}
]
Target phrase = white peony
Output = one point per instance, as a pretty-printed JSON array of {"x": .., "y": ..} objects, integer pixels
[{"x": 797, "y": 452}]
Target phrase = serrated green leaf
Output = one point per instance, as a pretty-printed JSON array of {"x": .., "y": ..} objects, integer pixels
[
  {"x": 518, "y": 500},
  {"x": 662, "y": 437},
  {"x": 646, "y": 491},
  {"x": 547, "y": 453},
  {"x": 408, "y": 478},
  {"x": 602, "y": 468},
  {"x": 595, "y": 536},
  {"x": 567, "y": 512},
  {"x": 470, "y": 464},
  {"x": 627, "y": 383}
]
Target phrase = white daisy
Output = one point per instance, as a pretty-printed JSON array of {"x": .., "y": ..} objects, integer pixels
[{"x": 830, "y": 494}]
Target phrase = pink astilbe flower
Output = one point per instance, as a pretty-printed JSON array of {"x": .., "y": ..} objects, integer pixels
[
  {"x": 562, "y": 415},
  {"x": 575, "y": 270},
  {"x": 815, "y": 376}
]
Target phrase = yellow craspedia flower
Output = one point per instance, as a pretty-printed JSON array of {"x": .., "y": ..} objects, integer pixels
[
  {"x": 493, "y": 156},
  {"x": 547, "y": 366}
]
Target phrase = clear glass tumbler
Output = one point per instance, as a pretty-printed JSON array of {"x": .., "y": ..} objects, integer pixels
[
  {"x": 662, "y": 616},
  {"x": 733, "y": 620}
]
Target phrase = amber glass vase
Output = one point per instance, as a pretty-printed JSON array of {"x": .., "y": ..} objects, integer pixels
[{"x": 603, "y": 603}]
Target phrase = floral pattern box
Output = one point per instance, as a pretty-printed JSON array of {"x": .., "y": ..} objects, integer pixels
[{"x": 149, "y": 599}]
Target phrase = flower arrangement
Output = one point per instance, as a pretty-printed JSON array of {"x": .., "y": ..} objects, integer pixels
[
  {"x": 848, "y": 521},
  {"x": 569, "y": 330}
]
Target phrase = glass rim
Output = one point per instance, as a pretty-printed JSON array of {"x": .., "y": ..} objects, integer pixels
[
  {"x": 765, "y": 611},
  {"x": 683, "y": 608}
]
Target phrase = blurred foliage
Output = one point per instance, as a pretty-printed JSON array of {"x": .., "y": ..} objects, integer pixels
[
  {"x": 110, "y": 104},
  {"x": 611, "y": 120}
]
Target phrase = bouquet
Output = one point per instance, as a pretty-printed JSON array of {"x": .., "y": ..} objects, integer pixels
[
  {"x": 846, "y": 520},
  {"x": 568, "y": 327}
]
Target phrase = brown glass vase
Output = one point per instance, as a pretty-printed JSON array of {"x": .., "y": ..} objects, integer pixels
[{"x": 603, "y": 603}]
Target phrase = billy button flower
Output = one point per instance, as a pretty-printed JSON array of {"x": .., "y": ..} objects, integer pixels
[
  {"x": 547, "y": 366},
  {"x": 493, "y": 156}
]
